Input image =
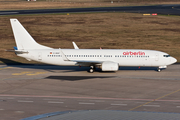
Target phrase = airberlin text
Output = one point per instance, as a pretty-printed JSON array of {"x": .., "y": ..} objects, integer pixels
[{"x": 133, "y": 53}]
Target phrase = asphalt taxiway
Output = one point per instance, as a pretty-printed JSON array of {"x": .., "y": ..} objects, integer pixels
[
  {"x": 29, "y": 90},
  {"x": 159, "y": 9}
]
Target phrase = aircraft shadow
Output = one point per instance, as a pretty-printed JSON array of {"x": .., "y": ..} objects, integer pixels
[
  {"x": 41, "y": 66},
  {"x": 11, "y": 62},
  {"x": 76, "y": 78},
  {"x": 138, "y": 68}
]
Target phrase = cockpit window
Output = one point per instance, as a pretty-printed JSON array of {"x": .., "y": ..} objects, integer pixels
[{"x": 166, "y": 55}]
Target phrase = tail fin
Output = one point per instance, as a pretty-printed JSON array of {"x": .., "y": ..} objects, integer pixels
[{"x": 23, "y": 38}]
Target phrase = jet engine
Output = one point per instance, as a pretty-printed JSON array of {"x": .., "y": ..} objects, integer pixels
[{"x": 109, "y": 66}]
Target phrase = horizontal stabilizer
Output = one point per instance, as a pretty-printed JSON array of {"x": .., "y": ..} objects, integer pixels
[{"x": 17, "y": 51}]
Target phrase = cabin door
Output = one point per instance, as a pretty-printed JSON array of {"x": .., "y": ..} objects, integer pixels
[{"x": 157, "y": 57}]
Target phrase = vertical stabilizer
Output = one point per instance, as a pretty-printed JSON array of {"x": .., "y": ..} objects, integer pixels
[{"x": 23, "y": 38}]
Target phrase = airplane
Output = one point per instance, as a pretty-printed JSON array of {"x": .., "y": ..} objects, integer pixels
[{"x": 105, "y": 59}]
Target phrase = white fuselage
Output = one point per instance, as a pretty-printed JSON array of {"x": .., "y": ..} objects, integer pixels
[{"x": 124, "y": 57}]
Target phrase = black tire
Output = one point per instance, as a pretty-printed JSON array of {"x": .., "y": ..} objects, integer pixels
[{"x": 91, "y": 70}]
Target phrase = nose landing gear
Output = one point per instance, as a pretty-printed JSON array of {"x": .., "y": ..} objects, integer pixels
[{"x": 161, "y": 68}]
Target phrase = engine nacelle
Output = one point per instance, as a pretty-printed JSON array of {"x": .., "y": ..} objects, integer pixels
[{"x": 109, "y": 66}]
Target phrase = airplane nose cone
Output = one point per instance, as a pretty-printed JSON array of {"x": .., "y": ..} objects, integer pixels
[{"x": 173, "y": 60}]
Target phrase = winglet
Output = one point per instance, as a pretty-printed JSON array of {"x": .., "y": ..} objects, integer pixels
[
  {"x": 75, "y": 46},
  {"x": 63, "y": 55}
]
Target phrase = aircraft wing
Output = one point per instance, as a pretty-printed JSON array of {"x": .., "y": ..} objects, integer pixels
[
  {"x": 87, "y": 62},
  {"x": 80, "y": 62},
  {"x": 75, "y": 46}
]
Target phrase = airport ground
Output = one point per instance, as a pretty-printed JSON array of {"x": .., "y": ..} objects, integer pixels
[
  {"x": 29, "y": 90},
  {"x": 114, "y": 30}
]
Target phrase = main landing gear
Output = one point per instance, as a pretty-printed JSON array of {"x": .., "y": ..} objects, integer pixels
[
  {"x": 92, "y": 69},
  {"x": 159, "y": 69}
]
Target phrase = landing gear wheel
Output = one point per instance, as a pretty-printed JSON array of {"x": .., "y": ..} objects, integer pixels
[
  {"x": 159, "y": 70},
  {"x": 91, "y": 70}
]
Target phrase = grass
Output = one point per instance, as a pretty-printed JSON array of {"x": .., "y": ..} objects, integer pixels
[{"x": 106, "y": 30}]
